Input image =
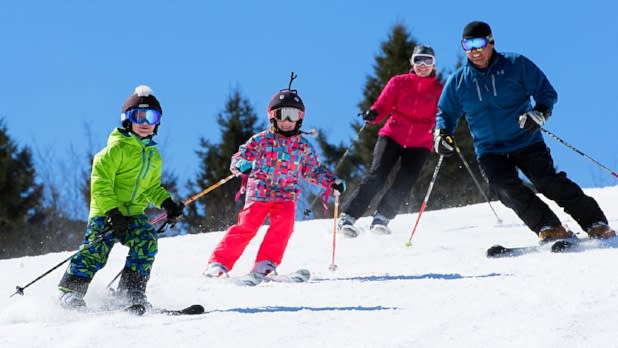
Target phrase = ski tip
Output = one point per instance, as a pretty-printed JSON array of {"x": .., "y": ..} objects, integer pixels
[
  {"x": 496, "y": 250},
  {"x": 194, "y": 309},
  {"x": 305, "y": 273},
  {"x": 136, "y": 309},
  {"x": 561, "y": 246},
  {"x": 191, "y": 310}
]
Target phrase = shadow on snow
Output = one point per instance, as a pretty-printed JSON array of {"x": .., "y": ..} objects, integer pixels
[
  {"x": 388, "y": 277},
  {"x": 278, "y": 309}
]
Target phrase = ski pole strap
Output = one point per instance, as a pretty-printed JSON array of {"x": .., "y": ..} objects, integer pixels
[
  {"x": 325, "y": 198},
  {"x": 243, "y": 188}
]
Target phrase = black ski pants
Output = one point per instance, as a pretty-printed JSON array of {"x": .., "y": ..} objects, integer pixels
[
  {"x": 385, "y": 155},
  {"x": 536, "y": 163}
]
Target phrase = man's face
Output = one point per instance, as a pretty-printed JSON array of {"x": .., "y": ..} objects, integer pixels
[
  {"x": 480, "y": 57},
  {"x": 478, "y": 50}
]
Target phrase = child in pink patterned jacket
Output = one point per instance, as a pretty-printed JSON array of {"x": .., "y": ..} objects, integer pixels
[{"x": 273, "y": 160}]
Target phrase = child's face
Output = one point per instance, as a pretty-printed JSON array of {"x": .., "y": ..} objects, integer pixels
[
  {"x": 286, "y": 125},
  {"x": 143, "y": 130},
  {"x": 286, "y": 118}
]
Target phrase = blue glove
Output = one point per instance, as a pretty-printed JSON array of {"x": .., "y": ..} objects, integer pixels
[
  {"x": 338, "y": 185},
  {"x": 244, "y": 166}
]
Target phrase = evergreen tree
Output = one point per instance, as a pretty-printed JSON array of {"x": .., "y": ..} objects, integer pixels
[
  {"x": 217, "y": 210},
  {"x": 20, "y": 195}
]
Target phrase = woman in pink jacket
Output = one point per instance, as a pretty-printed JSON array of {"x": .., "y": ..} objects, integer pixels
[{"x": 411, "y": 102}]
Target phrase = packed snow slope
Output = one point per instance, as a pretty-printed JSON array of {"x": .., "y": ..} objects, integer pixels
[{"x": 440, "y": 292}]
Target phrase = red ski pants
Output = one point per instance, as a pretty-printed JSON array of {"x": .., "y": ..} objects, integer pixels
[{"x": 250, "y": 218}]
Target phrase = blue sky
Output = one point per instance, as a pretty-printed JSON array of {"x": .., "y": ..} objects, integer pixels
[{"x": 67, "y": 66}]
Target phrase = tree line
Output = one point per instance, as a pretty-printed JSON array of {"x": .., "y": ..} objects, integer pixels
[{"x": 34, "y": 217}]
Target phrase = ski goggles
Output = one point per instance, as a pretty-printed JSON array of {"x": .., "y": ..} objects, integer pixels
[
  {"x": 475, "y": 43},
  {"x": 291, "y": 114},
  {"x": 423, "y": 59},
  {"x": 140, "y": 116}
]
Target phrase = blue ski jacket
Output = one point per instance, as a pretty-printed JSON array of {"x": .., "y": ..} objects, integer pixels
[{"x": 492, "y": 100}]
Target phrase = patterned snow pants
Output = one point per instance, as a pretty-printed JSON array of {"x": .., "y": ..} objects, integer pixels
[{"x": 141, "y": 239}]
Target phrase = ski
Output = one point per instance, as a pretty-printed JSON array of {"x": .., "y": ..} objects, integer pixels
[
  {"x": 298, "y": 276},
  {"x": 191, "y": 310},
  {"x": 140, "y": 310},
  {"x": 349, "y": 231},
  {"x": 564, "y": 246},
  {"x": 498, "y": 251},
  {"x": 253, "y": 279},
  {"x": 573, "y": 244}
]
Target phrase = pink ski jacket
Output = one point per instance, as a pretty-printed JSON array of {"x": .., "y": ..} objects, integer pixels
[
  {"x": 278, "y": 162},
  {"x": 411, "y": 101}
]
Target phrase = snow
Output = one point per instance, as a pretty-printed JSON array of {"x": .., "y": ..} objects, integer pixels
[{"x": 440, "y": 292}]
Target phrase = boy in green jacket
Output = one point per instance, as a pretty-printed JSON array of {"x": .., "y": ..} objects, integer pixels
[{"x": 126, "y": 177}]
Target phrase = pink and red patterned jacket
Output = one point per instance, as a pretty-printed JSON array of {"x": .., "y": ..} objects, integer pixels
[
  {"x": 278, "y": 162},
  {"x": 412, "y": 103}
]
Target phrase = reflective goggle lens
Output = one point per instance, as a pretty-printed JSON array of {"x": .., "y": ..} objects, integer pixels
[
  {"x": 474, "y": 43},
  {"x": 139, "y": 116},
  {"x": 422, "y": 59},
  {"x": 292, "y": 114}
]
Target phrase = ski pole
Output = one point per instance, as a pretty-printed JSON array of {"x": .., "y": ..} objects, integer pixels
[
  {"x": 333, "y": 266},
  {"x": 613, "y": 173},
  {"x": 345, "y": 154},
  {"x": 424, "y": 203},
  {"x": 20, "y": 289},
  {"x": 195, "y": 197},
  {"x": 478, "y": 185},
  {"x": 343, "y": 157}
]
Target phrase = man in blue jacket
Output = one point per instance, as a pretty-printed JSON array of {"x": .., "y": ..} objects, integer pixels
[{"x": 493, "y": 91}]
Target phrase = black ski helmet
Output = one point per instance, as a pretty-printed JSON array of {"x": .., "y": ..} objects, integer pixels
[
  {"x": 286, "y": 98},
  {"x": 142, "y": 97}
]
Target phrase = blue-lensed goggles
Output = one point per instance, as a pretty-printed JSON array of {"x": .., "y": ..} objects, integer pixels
[
  {"x": 474, "y": 43},
  {"x": 291, "y": 114},
  {"x": 139, "y": 116},
  {"x": 423, "y": 59}
]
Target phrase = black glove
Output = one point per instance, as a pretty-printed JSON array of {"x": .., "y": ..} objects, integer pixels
[
  {"x": 370, "y": 115},
  {"x": 534, "y": 119},
  {"x": 338, "y": 185},
  {"x": 444, "y": 144},
  {"x": 118, "y": 223},
  {"x": 173, "y": 210}
]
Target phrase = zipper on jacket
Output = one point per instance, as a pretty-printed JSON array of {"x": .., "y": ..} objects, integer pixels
[
  {"x": 137, "y": 180},
  {"x": 478, "y": 89},
  {"x": 150, "y": 154},
  {"x": 493, "y": 84}
]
